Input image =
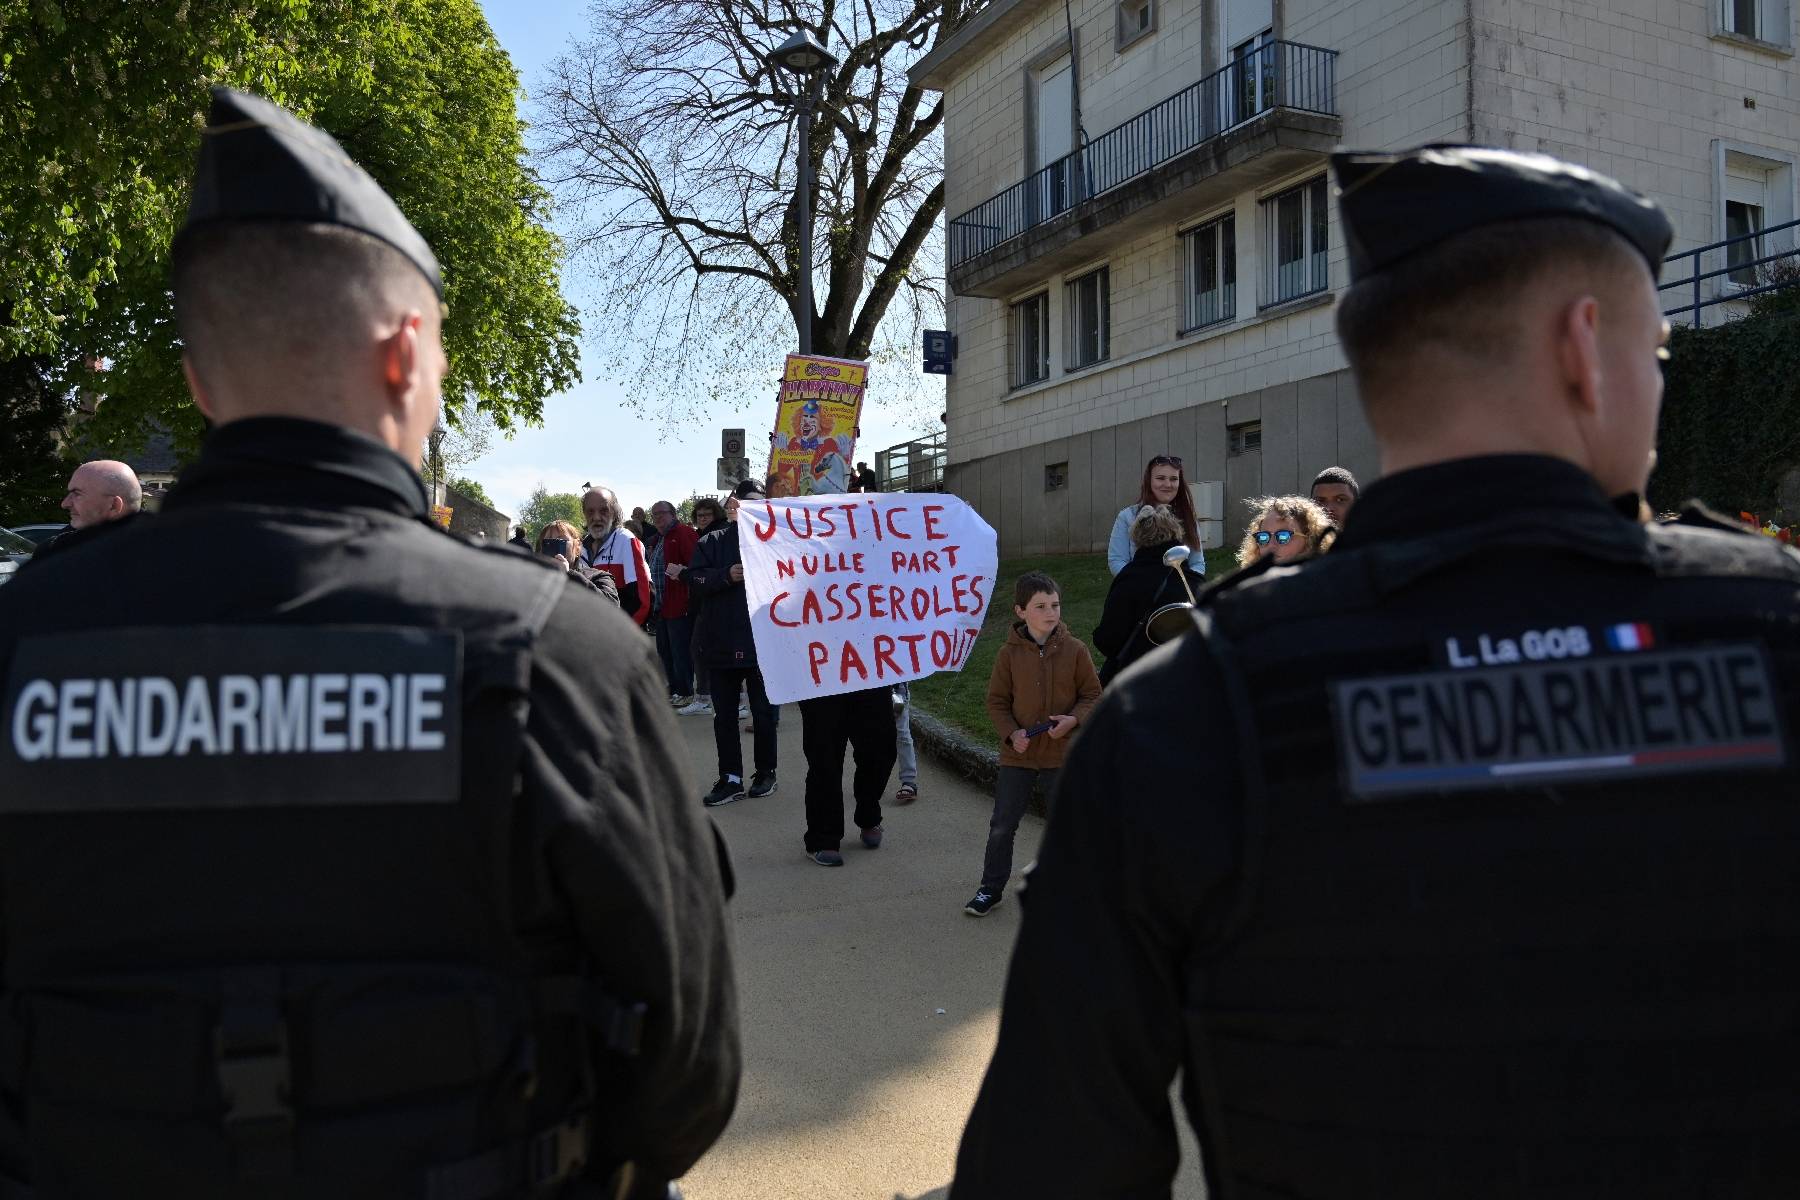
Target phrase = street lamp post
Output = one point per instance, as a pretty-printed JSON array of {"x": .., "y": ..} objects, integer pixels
[{"x": 807, "y": 59}]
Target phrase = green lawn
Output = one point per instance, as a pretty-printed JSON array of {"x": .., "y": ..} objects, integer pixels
[{"x": 961, "y": 699}]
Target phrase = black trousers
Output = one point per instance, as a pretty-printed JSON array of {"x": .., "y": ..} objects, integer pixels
[
  {"x": 727, "y": 683},
  {"x": 1012, "y": 796},
  {"x": 863, "y": 722}
]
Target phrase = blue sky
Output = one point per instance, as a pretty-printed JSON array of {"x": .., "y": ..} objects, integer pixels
[{"x": 587, "y": 434}]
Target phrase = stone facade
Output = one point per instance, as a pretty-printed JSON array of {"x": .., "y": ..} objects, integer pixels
[{"x": 1649, "y": 90}]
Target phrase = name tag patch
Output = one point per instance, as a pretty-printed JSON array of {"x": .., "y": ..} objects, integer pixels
[
  {"x": 1710, "y": 708},
  {"x": 232, "y": 716}
]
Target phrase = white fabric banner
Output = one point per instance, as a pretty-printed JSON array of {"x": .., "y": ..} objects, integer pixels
[{"x": 859, "y": 591}]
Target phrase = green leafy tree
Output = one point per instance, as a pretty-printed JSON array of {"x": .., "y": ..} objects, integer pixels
[
  {"x": 34, "y": 469},
  {"x": 544, "y": 506},
  {"x": 472, "y": 490},
  {"x": 103, "y": 106}
]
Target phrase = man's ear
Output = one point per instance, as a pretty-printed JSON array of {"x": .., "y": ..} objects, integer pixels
[
  {"x": 400, "y": 360},
  {"x": 202, "y": 401},
  {"x": 1578, "y": 352}
]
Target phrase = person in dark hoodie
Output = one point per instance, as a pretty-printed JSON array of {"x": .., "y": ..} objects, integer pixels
[
  {"x": 1142, "y": 587},
  {"x": 729, "y": 654},
  {"x": 1043, "y": 687}
]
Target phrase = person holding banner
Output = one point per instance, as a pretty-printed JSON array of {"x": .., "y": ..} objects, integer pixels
[{"x": 729, "y": 652}]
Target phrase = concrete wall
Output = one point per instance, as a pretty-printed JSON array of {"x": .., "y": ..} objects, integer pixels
[
  {"x": 469, "y": 515},
  {"x": 1644, "y": 90},
  {"x": 1306, "y": 426}
]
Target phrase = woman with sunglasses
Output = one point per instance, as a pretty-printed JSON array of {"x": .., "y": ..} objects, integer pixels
[
  {"x": 1165, "y": 482},
  {"x": 1285, "y": 527}
]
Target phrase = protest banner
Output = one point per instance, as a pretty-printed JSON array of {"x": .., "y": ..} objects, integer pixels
[
  {"x": 854, "y": 592},
  {"x": 816, "y": 415}
]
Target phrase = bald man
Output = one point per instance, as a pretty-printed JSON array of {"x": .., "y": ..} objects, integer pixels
[{"x": 100, "y": 491}]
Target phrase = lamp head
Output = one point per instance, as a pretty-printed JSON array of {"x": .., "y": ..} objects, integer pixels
[{"x": 803, "y": 54}]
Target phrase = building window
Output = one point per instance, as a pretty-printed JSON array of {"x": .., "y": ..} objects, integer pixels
[
  {"x": 1762, "y": 20},
  {"x": 1757, "y": 195},
  {"x": 1243, "y": 439},
  {"x": 1743, "y": 221},
  {"x": 1031, "y": 340},
  {"x": 1137, "y": 18},
  {"x": 1251, "y": 83},
  {"x": 1742, "y": 18},
  {"x": 1086, "y": 321},
  {"x": 1211, "y": 274},
  {"x": 1056, "y": 477},
  {"x": 1298, "y": 228}
]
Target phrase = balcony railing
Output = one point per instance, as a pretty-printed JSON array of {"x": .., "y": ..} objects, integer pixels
[
  {"x": 912, "y": 466},
  {"x": 1274, "y": 75},
  {"x": 1750, "y": 264}
]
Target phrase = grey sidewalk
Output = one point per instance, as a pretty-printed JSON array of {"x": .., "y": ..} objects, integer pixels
[{"x": 855, "y": 1087}]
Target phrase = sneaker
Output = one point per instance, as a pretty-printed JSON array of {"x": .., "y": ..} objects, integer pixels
[
  {"x": 872, "y": 837},
  {"x": 701, "y": 707},
  {"x": 983, "y": 901},
  {"x": 763, "y": 784},
  {"x": 723, "y": 792},
  {"x": 744, "y": 711},
  {"x": 680, "y": 701},
  {"x": 826, "y": 858}
]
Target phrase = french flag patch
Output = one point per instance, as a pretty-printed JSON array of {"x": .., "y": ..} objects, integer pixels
[{"x": 1630, "y": 637}]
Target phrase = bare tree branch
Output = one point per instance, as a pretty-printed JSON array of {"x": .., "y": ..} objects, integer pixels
[{"x": 669, "y": 141}]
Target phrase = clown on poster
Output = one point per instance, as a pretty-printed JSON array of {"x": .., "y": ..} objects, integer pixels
[{"x": 816, "y": 417}]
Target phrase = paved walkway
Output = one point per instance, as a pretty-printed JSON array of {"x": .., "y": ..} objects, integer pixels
[{"x": 870, "y": 1001}]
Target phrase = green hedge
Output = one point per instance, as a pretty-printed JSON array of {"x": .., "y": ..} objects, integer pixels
[{"x": 1731, "y": 413}]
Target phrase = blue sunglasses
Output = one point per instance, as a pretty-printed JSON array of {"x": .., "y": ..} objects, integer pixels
[{"x": 1282, "y": 536}]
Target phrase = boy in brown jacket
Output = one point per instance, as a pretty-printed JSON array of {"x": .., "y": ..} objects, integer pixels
[{"x": 1043, "y": 686}]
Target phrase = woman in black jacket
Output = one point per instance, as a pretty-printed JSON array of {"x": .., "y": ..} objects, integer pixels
[
  {"x": 1142, "y": 587},
  {"x": 729, "y": 652}
]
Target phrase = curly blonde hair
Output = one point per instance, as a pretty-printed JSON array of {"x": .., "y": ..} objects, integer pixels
[{"x": 1312, "y": 521}]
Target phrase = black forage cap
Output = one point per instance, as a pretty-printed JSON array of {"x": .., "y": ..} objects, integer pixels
[
  {"x": 259, "y": 162},
  {"x": 1396, "y": 204}
]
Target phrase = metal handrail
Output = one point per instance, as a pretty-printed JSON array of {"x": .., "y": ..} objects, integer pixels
[
  {"x": 1696, "y": 276},
  {"x": 1275, "y": 75},
  {"x": 915, "y": 466}
]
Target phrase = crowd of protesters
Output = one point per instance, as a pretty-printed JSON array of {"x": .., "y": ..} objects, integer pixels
[{"x": 683, "y": 581}]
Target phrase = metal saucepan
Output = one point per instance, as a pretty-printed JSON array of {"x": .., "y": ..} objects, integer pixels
[{"x": 1172, "y": 620}]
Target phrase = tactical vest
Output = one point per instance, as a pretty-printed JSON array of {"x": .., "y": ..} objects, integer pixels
[
  {"x": 1444, "y": 981},
  {"x": 306, "y": 989}
]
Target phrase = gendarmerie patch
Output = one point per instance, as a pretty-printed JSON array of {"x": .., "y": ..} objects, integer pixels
[
  {"x": 1699, "y": 708},
  {"x": 231, "y": 717}
]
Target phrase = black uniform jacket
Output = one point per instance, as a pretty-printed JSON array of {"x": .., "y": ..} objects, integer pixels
[
  {"x": 725, "y": 638},
  {"x": 1124, "y": 967},
  {"x": 285, "y": 521}
]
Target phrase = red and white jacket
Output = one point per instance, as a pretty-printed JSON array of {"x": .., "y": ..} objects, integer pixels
[{"x": 621, "y": 555}]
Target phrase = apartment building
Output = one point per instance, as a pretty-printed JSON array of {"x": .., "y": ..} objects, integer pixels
[{"x": 1142, "y": 247}]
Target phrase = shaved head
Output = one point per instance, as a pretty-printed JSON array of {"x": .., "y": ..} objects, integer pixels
[
  {"x": 100, "y": 491},
  {"x": 306, "y": 320}
]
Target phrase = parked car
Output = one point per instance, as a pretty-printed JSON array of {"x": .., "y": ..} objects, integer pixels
[
  {"x": 38, "y": 534},
  {"x": 14, "y": 550}
]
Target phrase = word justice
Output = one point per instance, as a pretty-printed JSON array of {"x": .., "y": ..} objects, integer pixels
[
  {"x": 899, "y": 522},
  {"x": 892, "y": 656}
]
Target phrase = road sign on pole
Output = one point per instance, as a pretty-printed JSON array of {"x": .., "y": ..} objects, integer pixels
[
  {"x": 733, "y": 471},
  {"x": 731, "y": 445}
]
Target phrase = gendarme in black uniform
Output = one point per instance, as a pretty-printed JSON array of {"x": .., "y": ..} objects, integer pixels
[
  {"x": 1491, "y": 893},
  {"x": 336, "y": 861}
]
